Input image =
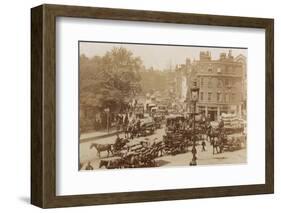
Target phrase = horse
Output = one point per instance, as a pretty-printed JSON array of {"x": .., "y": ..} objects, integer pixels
[
  {"x": 212, "y": 133},
  {"x": 218, "y": 143},
  {"x": 119, "y": 144},
  {"x": 215, "y": 144},
  {"x": 101, "y": 148},
  {"x": 222, "y": 142},
  {"x": 128, "y": 130}
]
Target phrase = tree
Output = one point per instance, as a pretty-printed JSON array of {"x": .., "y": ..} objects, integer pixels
[{"x": 109, "y": 81}]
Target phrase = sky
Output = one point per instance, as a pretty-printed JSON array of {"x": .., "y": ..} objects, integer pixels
[{"x": 157, "y": 56}]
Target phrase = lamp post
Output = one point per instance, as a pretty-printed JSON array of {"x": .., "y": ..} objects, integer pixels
[
  {"x": 107, "y": 118},
  {"x": 194, "y": 92}
]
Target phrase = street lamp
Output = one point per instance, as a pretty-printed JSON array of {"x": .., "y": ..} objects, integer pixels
[
  {"x": 107, "y": 118},
  {"x": 194, "y": 92}
]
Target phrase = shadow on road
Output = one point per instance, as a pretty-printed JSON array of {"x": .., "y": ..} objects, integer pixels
[{"x": 162, "y": 162}]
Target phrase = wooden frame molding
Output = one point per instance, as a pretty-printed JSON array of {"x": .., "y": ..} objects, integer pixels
[{"x": 43, "y": 105}]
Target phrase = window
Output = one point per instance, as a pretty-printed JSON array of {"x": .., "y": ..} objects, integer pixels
[
  {"x": 218, "y": 97},
  {"x": 234, "y": 83},
  {"x": 219, "y": 83},
  {"x": 226, "y": 97},
  {"x": 202, "y": 82},
  {"x": 230, "y": 69},
  {"x": 209, "y": 96},
  {"x": 226, "y": 82},
  {"x": 210, "y": 70},
  {"x": 201, "y": 96},
  {"x": 233, "y": 97},
  {"x": 210, "y": 83}
]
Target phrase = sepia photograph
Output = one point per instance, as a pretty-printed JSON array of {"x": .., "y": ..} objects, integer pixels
[
  {"x": 161, "y": 105},
  {"x": 132, "y": 106}
]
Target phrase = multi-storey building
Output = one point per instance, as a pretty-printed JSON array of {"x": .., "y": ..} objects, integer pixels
[
  {"x": 221, "y": 84},
  {"x": 182, "y": 79},
  {"x": 243, "y": 60}
]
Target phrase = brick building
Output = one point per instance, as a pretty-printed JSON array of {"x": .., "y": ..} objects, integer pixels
[{"x": 221, "y": 84}]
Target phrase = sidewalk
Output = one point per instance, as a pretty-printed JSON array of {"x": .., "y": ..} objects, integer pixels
[{"x": 85, "y": 137}]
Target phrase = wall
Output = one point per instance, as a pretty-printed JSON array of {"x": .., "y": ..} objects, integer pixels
[{"x": 15, "y": 105}]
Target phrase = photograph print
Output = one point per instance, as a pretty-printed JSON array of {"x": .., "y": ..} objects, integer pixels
[{"x": 158, "y": 105}]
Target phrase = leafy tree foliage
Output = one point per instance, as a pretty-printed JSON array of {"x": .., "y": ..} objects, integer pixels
[{"x": 109, "y": 81}]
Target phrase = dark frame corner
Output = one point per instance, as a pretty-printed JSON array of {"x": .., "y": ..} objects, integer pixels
[{"x": 43, "y": 110}]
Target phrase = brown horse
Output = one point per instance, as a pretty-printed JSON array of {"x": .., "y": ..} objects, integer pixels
[
  {"x": 212, "y": 133},
  {"x": 102, "y": 147}
]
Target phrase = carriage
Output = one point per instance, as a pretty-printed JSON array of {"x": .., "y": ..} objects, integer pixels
[
  {"x": 176, "y": 144},
  {"x": 146, "y": 128},
  {"x": 232, "y": 124},
  {"x": 114, "y": 162},
  {"x": 158, "y": 121},
  {"x": 136, "y": 155},
  {"x": 162, "y": 109},
  {"x": 233, "y": 130},
  {"x": 235, "y": 142},
  {"x": 172, "y": 121},
  {"x": 139, "y": 110}
]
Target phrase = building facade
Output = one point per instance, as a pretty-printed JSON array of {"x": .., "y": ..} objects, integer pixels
[
  {"x": 221, "y": 84},
  {"x": 182, "y": 79},
  {"x": 243, "y": 60}
]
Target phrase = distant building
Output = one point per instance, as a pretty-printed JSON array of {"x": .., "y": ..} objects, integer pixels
[{"x": 182, "y": 79}]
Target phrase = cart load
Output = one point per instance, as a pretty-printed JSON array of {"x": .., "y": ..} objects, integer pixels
[
  {"x": 235, "y": 142},
  {"x": 232, "y": 124},
  {"x": 146, "y": 128},
  {"x": 135, "y": 155},
  {"x": 158, "y": 120}
]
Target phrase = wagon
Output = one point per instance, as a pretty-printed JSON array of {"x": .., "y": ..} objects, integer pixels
[
  {"x": 235, "y": 142},
  {"x": 141, "y": 155},
  {"x": 171, "y": 119},
  {"x": 135, "y": 155},
  {"x": 111, "y": 163},
  {"x": 146, "y": 129},
  {"x": 175, "y": 144},
  {"x": 158, "y": 121}
]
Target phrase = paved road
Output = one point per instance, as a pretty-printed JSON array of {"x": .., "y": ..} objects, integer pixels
[
  {"x": 87, "y": 154},
  {"x": 204, "y": 158}
]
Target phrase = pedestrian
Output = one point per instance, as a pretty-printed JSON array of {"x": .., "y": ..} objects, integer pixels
[
  {"x": 89, "y": 166},
  {"x": 194, "y": 158},
  {"x": 138, "y": 125},
  {"x": 215, "y": 145},
  {"x": 194, "y": 152},
  {"x": 117, "y": 144},
  {"x": 126, "y": 119},
  {"x": 221, "y": 124},
  {"x": 203, "y": 146},
  {"x": 221, "y": 143}
]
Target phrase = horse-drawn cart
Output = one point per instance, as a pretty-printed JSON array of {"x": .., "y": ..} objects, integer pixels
[
  {"x": 146, "y": 128},
  {"x": 114, "y": 162},
  {"x": 158, "y": 121},
  {"x": 235, "y": 142},
  {"x": 176, "y": 143},
  {"x": 136, "y": 155}
]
